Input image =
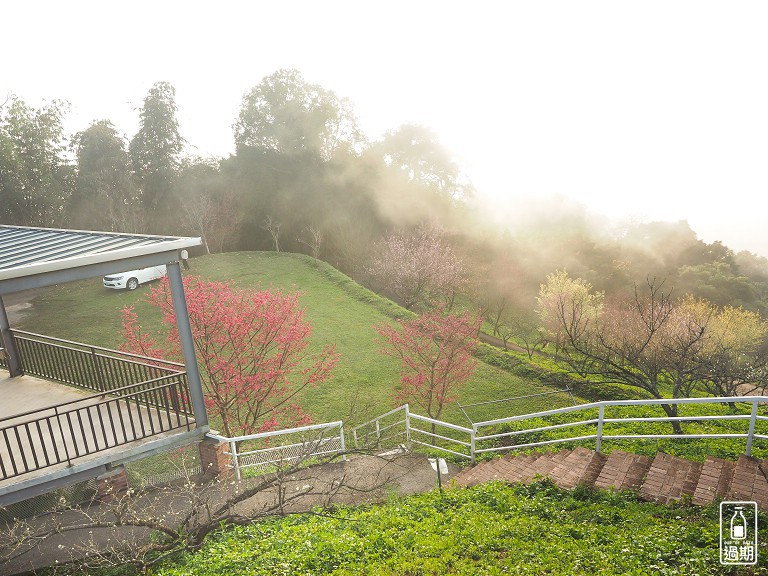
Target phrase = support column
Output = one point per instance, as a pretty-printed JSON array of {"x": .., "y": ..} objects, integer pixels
[
  {"x": 8, "y": 343},
  {"x": 187, "y": 345},
  {"x": 112, "y": 485},
  {"x": 214, "y": 460}
]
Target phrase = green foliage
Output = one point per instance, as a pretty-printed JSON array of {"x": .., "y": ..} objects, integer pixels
[
  {"x": 490, "y": 529},
  {"x": 35, "y": 177},
  {"x": 155, "y": 152}
]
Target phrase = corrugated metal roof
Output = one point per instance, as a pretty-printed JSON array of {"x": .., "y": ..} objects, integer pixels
[{"x": 25, "y": 250}]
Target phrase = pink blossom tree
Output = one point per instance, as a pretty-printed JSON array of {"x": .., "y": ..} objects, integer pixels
[
  {"x": 436, "y": 355},
  {"x": 418, "y": 267},
  {"x": 252, "y": 350}
]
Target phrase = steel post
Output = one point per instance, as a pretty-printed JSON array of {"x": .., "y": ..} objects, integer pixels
[
  {"x": 8, "y": 342},
  {"x": 187, "y": 345}
]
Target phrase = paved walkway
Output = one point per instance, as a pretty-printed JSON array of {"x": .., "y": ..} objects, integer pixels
[{"x": 359, "y": 480}]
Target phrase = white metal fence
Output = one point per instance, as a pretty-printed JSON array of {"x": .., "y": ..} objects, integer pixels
[
  {"x": 256, "y": 453},
  {"x": 403, "y": 427},
  {"x": 497, "y": 436}
]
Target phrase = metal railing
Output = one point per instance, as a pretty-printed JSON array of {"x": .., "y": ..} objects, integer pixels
[
  {"x": 90, "y": 367},
  {"x": 266, "y": 458},
  {"x": 600, "y": 421},
  {"x": 41, "y": 438},
  {"x": 485, "y": 437},
  {"x": 383, "y": 432}
]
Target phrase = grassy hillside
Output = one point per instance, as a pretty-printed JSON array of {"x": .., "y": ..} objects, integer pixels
[
  {"x": 490, "y": 529},
  {"x": 341, "y": 312}
]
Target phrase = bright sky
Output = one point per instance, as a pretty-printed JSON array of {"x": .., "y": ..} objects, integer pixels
[{"x": 652, "y": 109}]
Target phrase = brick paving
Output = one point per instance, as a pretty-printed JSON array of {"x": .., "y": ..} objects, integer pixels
[{"x": 663, "y": 479}]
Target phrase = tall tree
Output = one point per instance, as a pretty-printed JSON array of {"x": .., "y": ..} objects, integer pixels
[
  {"x": 648, "y": 341},
  {"x": 286, "y": 114},
  {"x": 735, "y": 356},
  {"x": 252, "y": 346},
  {"x": 155, "y": 152},
  {"x": 208, "y": 207},
  {"x": 35, "y": 177},
  {"x": 103, "y": 191}
]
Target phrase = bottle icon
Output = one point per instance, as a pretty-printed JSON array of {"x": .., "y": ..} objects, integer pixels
[{"x": 738, "y": 524}]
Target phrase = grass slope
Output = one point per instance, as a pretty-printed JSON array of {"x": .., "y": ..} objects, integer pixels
[
  {"x": 341, "y": 312},
  {"x": 490, "y": 529}
]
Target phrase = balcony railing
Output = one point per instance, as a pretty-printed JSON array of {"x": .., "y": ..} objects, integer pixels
[
  {"x": 137, "y": 397},
  {"x": 85, "y": 366},
  {"x": 61, "y": 433}
]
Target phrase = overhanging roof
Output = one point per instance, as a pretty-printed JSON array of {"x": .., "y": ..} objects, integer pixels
[{"x": 36, "y": 257}]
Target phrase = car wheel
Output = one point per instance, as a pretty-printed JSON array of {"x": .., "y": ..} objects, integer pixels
[{"x": 132, "y": 284}]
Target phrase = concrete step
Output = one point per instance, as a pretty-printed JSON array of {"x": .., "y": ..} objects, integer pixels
[
  {"x": 714, "y": 481},
  {"x": 623, "y": 471},
  {"x": 670, "y": 478},
  {"x": 582, "y": 466}
]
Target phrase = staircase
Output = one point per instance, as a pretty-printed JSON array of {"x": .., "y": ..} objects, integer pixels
[{"x": 662, "y": 479}]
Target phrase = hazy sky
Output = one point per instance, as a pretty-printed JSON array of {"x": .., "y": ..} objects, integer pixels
[{"x": 652, "y": 109}]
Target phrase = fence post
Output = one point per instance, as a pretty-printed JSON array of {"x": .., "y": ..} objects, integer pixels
[
  {"x": 600, "y": 428},
  {"x": 97, "y": 369},
  {"x": 378, "y": 431},
  {"x": 472, "y": 443},
  {"x": 751, "y": 433},
  {"x": 235, "y": 461},
  {"x": 343, "y": 445},
  {"x": 407, "y": 427}
]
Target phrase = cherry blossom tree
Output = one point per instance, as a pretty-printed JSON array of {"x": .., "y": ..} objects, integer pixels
[
  {"x": 435, "y": 351},
  {"x": 252, "y": 350},
  {"x": 418, "y": 267}
]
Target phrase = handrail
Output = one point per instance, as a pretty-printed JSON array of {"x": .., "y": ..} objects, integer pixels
[
  {"x": 16, "y": 331},
  {"x": 236, "y": 454},
  {"x": 99, "y": 395},
  {"x": 649, "y": 401},
  {"x": 475, "y": 435},
  {"x": 274, "y": 432}
]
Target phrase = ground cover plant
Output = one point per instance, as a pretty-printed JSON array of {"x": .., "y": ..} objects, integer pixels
[{"x": 489, "y": 529}]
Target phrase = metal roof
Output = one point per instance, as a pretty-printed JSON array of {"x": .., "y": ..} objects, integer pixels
[{"x": 28, "y": 252}]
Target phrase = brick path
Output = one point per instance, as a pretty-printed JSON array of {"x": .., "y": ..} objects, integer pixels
[{"x": 662, "y": 479}]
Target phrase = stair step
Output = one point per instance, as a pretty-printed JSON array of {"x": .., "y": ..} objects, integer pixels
[
  {"x": 749, "y": 481},
  {"x": 623, "y": 471},
  {"x": 670, "y": 478},
  {"x": 715, "y": 480},
  {"x": 543, "y": 465},
  {"x": 582, "y": 466},
  {"x": 467, "y": 476}
]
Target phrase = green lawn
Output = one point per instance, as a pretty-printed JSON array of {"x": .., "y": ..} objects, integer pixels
[{"x": 341, "y": 312}]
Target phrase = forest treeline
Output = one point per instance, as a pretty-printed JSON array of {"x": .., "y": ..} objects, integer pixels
[{"x": 305, "y": 178}]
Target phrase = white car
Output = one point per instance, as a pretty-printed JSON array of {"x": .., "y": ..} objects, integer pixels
[{"x": 133, "y": 278}]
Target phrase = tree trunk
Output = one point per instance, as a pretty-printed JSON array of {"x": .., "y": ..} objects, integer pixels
[{"x": 671, "y": 410}]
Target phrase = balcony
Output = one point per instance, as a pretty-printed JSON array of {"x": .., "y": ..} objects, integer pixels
[
  {"x": 71, "y": 411},
  {"x": 80, "y": 407}
]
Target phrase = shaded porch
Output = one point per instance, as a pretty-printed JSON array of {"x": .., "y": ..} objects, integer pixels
[
  {"x": 52, "y": 435},
  {"x": 115, "y": 408}
]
